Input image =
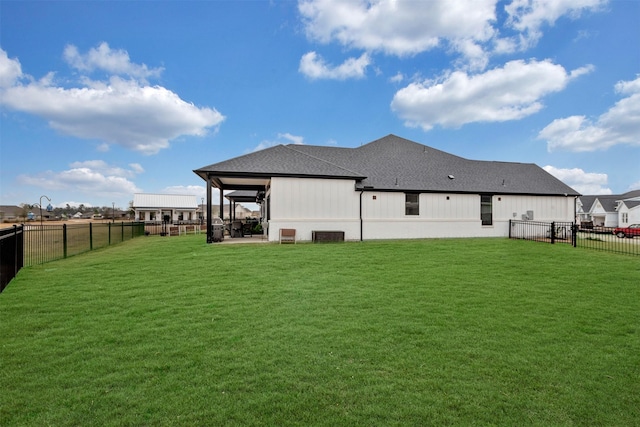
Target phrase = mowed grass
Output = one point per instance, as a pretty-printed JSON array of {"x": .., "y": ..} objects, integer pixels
[{"x": 172, "y": 331}]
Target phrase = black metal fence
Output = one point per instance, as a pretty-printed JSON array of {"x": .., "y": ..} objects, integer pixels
[
  {"x": 25, "y": 245},
  {"x": 44, "y": 243},
  {"x": 568, "y": 232},
  {"x": 11, "y": 253},
  {"x": 604, "y": 239},
  {"x": 549, "y": 232}
]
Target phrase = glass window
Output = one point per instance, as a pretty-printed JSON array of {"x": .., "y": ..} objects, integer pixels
[
  {"x": 142, "y": 216},
  {"x": 411, "y": 204},
  {"x": 486, "y": 210}
]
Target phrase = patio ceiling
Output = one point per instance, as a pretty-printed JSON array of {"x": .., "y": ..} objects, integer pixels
[{"x": 237, "y": 182}]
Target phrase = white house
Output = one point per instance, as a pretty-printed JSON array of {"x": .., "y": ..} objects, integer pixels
[
  {"x": 610, "y": 210},
  {"x": 154, "y": 207},
  {"x": 603, "y": 211},
  {"x": 391, "y": 188},
  {"x": 629, "y": 209}
]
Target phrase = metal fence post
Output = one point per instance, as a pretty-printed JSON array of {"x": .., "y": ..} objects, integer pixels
[
  {"x": 64, "y": 240},
  {"x": 90, "y": 236},
  {"x": 15, "y": 250},
  {"x": 553, "y": 233},
  {"x": 109, "y": 234}
]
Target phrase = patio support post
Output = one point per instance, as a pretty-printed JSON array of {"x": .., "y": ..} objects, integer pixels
[
  {"x": 209, "y": 219},
  {"x": 222, "y": 205}
]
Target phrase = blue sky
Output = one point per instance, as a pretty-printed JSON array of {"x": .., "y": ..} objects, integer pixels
[{"x": 100, "y": 100}]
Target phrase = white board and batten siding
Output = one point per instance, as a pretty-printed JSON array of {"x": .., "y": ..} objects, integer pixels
[
  {"x": 328, "y": 204},
  {"x": 314, "y": 204}
]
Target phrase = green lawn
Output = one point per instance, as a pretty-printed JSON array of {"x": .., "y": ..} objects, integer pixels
[{"x": 172, "y": 331}]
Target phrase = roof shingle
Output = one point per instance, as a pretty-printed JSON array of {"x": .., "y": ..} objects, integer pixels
[{"x": 392, "y": 163}]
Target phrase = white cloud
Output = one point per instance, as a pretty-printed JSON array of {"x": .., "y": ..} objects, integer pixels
[
  {"x": 313, "y": 66},
  {"x": 109, "y": 60},
  {"x": 619, "y": 125},
  {"x": 399, "y": 77},
  {"x": 294, "y": 139},
  {"x": 93, "y": 177},
  {"x": 102, "y": 167},
  {"x": 581, "y": 181},
  {"x": 136, "y": 167},
  {"x": 395, "y": 26},
  {"x": 119, "y": 111},
  {"x": 469, "y": 28},
  {"x": 508, "y": 93},
  {"x": 10, "y": 70},
  {"x": 282, "y": 138},
  {"x": 529, "y": 16},
  {"x": 634, "y": 186}
]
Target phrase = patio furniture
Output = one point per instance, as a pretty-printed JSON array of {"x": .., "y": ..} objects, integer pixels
[
  {"x": 288, "y": 235},
  {"x": 236, "y": 229}
]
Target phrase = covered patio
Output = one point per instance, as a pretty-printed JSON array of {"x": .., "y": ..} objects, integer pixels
[
  {"x": 249, "y": 188},
  {"x": 241, "y": 227}
]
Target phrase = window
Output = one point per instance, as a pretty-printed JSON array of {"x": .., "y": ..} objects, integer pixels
[
  {"x": 411, "y": 204},
  {"x": 152, "y": 216},
  {"x": 625, "y": 217},
  {"x": 142, "y": 216},
  {"x": 486, "y": 209}
]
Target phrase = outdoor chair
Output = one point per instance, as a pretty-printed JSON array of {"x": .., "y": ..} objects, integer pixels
[
  {"x": 236, "y": 229},
  {"x": 288, "y": 235},
  {"x": 247, "y": 228}
]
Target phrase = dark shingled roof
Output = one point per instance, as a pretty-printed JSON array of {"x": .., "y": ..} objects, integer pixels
[{"x": 395, "y": 164}]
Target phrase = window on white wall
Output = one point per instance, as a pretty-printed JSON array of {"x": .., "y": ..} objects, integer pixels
[
  {"x": 412, "y": 204},
  {"x": 486, "y": 209},
  {"x": 625, "y": 217}
]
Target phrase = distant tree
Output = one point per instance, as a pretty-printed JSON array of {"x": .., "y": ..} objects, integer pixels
[{"x": 24, "y": 211}]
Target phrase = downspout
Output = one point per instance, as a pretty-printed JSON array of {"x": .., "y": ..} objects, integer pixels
[{"x": 361, "y": 222}]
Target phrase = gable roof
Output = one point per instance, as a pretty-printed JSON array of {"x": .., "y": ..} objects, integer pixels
[
  {"x": 175, "y": 201},
  {"x": 609, "y": 202},
  {"x": 630, "y": 195},
  {"x": 392, "y": 163},
  {"x": 631, "y": 203},
  {"x": 587, "y": 202}
]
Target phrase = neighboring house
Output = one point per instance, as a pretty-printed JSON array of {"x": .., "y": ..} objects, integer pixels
[
  {"x": 154, "y": 207},
  {"x": 10, "y": 213},
  {"x": 583, "y": 208},
  {"x": 629, "y": 209},
  {"x": 391, "y": 188},
  {"x": 603, "y": 211},
  {"x": 239, "y": 211},
  {"x": 610, "y": 210}
]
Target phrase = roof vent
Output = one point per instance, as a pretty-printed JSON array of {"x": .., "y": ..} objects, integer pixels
[{"x": 451, "y": 177}]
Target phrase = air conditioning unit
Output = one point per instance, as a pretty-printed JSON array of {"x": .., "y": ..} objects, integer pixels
[{"x": 530, "y": 215}]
